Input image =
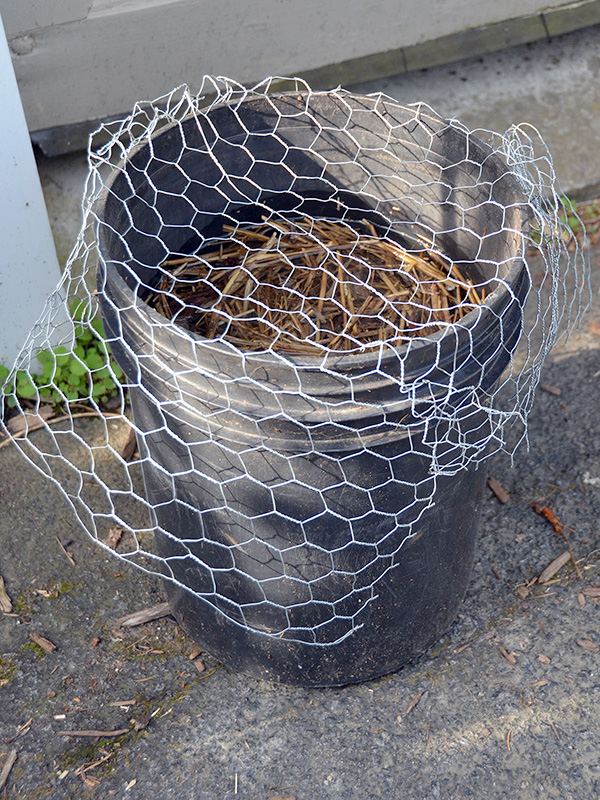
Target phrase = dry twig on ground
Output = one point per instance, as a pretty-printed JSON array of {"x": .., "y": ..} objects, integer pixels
[{"x": 559, "y": 529}]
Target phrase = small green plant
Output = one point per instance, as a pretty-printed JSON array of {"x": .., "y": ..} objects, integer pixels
[
  {"x": 23, "y": 605},
  {"x": 563, "y": 221},
  {"x": 88, "y": 370},
  {"x": 590, "y": 214},
  {"x": 34, "y": 648},
  {"x": 8, "y": 670},
  {"x": 570, "y": 215}
]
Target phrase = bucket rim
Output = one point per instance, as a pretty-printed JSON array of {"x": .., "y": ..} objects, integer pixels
[{"x": 328, "y": 360}]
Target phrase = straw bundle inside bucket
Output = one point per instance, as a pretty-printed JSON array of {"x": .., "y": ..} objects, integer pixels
[{"x": 303, "y": 285}]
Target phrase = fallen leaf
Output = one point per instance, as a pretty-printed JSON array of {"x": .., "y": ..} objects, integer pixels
[
  {"x": 523, "y": 592},
  {"x": 114, "y": 537},
  {"x": 589, "y": 645},
  {"x": 44, "y": 643},
  {"x": 5, "y": 601},
  {"x": 554, "y": 567},
  {"x": 591, "y": 591},
  {"x": 141, "y": 722},
  {"x": 498, "y": 490},
  {"x": 559, "y": 530},
  {"x": 581, "y": 599},
  {"x": 199, "y": 664},
  {"x": 414, "y": 701},
  {"x": 544, "y": 659},
  {"x": 28, "y": 421}
]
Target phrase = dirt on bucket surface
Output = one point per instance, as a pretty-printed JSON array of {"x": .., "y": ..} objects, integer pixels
[{"x": 505, "y": 705}]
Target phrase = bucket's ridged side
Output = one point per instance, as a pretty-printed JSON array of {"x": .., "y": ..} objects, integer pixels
[{"x": 417, "y": 589}]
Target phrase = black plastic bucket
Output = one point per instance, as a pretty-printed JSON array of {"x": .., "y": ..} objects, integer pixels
[{"x": 294, "y": 481}]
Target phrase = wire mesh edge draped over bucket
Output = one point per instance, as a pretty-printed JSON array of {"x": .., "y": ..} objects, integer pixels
[{"x": 291, "y": 493}]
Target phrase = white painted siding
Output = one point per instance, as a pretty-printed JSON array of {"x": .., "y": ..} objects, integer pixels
[
  {"x": 84, "y": 59},
  {"x": 28, "y": 268},
  {"x": 26, "y": 15}
]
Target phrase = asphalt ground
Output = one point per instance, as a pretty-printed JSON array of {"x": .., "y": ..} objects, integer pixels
[{"x": 508, "y": 700}]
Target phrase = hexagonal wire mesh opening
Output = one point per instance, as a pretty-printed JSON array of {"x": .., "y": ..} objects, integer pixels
[{"x": 320, "y": 313}]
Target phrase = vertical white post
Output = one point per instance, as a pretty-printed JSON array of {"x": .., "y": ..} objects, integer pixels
[{"x": 29, "y": 269}]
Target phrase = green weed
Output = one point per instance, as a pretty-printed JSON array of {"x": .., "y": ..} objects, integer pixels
[
  {"x": 8, "y": 670},
  {"x": 88, "y": 370},
  {"x": 570, "y": 215},
  {"x": 34, "y": 648}
]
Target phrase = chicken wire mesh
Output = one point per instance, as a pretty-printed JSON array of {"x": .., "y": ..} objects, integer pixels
[{"x": 310, "y": 308}]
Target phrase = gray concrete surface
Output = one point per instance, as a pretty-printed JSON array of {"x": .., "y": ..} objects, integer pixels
[
  {"x": 66, "y": 53},
  {"x": 551, "y": 84},
  {"x": 484, "y": 728}
]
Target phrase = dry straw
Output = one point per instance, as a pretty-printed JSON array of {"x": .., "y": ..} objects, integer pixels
[{"x": 303, "y": 285}]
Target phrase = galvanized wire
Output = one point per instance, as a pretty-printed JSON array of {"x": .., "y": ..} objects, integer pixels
[{"x": 396, "y": 263}]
